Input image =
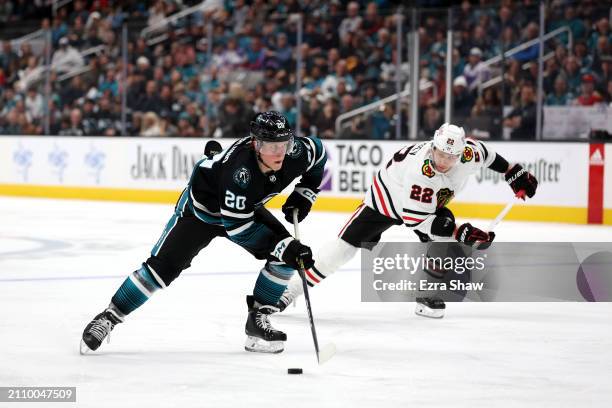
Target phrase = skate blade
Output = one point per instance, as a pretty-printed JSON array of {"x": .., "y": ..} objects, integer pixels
[
  {"x": 257, "y": 345},
  {"x": 428, "y": 312},
  {"x": 326, "y": 353},
  {"x": 84, "y": 348}
]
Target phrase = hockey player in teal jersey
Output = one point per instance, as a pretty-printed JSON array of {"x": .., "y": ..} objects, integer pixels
[{"x": 225, "y": 197}]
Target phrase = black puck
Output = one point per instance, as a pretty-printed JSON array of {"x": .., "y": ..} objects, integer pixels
[{"x": 294, "y": 371}]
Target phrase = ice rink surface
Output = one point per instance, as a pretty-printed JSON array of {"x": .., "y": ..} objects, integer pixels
[{"x": 61, "y": 261}]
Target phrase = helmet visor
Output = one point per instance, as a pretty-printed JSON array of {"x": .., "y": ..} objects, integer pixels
[{"x": 266, "y": 147}]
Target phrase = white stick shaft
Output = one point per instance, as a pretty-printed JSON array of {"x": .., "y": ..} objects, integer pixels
[
  {"x": 501, "y": 216},
  {"x": 296, "y": 224}
]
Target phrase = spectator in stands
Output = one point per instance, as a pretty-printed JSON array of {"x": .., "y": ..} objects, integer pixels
[
  {"x": 255, "y": 54},
  {"x": 504, "y": 21},
  {"x": 605, "y": 72},
  {"x": 288, "y": 108},
  {"x": 603, "y": 49},
  {"x": 79, "y": 11},
  {"x": 30, "y": 74},
  {"x": 602, "y": 29},
  {"x": 508, "y": 40},
  {"x": 186, "y": 129},
  {"x": 572, "y": 72},
  {"x": 150, "y": 125},
  {"x": 531, "y": 32},
  {"x": 463, "y": 100},
  {"x": 88, "y": 122},
  {"x": 74, "y": 127},
  {"x": 150, "y": 101},
  {"x": 7, "y": 56},
  {"x": 551, "y": 72},
  {"x": 522, "y": 119},
  {"x": 330, "y": 84},
  {"x": 372, "y": 21},
  {"x": 388, "y": 69},
  {"x": 432, "y": 120},
  {"x": 157, "y": 13},
  {"x": 575, "y": 24},
  {"x": 107, "y": 120},
  {"x": 560, "y": 96},
  {"x": 230, "y": 57},
  {"x": 475, "y": 72},
  {"x": 588, "y": 96},
  {"x": 480, "y": 40},
  {"x": 12, "y": 124},
  {"x": 6, "y": 11},
  {"x": 352, "y": 22},
  {"x": 325, "y": 122},
  {"x": 234, "y": 117},
  {"x": 581, "y": 53},
  {"x": 34, "y": 104},
  {"x": 141, "y": 49},
  {"x": 143, "y": 68},
  {"x": 60, "y": 27},
  {"x": 66, "y": 58},
  {"x": 72, "y": 92},
  {"x": 347, "y": 103},
  {"x": 109, "y": 83},
  {"x": 380, "y": 123}
]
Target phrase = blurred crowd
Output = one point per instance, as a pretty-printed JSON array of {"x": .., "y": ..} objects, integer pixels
[{"x": 177, "y": 84}]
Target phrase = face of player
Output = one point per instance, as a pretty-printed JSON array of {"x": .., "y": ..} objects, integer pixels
[
  {"x": 443, "y": 162},
  {"x": 272, "y": 154}
]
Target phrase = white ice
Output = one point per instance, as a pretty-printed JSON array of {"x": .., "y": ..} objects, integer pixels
[{"x": 61, "y": 261}]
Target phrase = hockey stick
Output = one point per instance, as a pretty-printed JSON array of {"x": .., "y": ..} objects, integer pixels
[
  {"x": 328, "y": 350},
  {"x": 505, "y": 211}
]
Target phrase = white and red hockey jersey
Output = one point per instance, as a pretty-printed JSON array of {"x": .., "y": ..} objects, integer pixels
[{"x": 409, "y": 189}]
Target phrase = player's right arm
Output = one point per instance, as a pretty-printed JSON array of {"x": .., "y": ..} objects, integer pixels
[{"x": 520, "y": 180}]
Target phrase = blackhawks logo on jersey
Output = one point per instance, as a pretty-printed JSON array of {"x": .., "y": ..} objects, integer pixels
[
  {"x": 427, "y": 169},
  {"x": 468, "y": 155},
  {"x": 444, "y": 196}
]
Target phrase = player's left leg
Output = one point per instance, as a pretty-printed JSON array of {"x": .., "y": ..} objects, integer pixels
[
  {"x": 271, "y": 283},
  {"x": 183, "y": 237},
  {"x": 431, "y": 303}
]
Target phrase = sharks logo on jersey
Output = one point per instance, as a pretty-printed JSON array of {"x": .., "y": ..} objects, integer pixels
[
  {"x": 242, "y": 177},
  {"x": 296, "y": 151}
]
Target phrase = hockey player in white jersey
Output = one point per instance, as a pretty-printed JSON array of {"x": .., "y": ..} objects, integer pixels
[{"x": 413, "y": 189}]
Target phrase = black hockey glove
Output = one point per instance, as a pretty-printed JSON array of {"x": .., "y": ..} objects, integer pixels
[
  {"x": 474, "y": 237},
  {"x": 295, "y": 252},
  {"x": 521, "y": 181},
  {"x": 302, "y": 199}
]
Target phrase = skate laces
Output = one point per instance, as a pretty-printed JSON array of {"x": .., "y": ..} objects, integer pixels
[
  {"x": 263, "y": 322},
  {"x": 101, "y": 328}
]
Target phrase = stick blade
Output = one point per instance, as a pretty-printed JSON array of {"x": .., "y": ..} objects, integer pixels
[{"x": 326, "y": 353}]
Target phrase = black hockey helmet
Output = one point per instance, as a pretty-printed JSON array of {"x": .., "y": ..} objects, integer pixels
[{"x": 271, "y": 126}]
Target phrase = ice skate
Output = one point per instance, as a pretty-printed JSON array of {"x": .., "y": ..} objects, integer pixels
[
  {"x": 261, "y": 336},
  {"x": 430, "y": 307},
  {"x": 98, "y": 330}
]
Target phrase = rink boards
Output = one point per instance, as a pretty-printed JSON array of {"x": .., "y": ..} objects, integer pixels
[{"x": 572, "y": 176}]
